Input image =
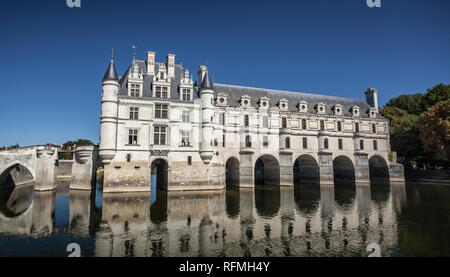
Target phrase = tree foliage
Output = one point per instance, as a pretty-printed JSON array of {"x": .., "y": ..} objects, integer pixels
[
  {"x": 79, "y": 142},
  {"x": 438, "y": 93},
  {"x": 434, "y": 132},
  {"x": 419, "y": 127},
  {"x": 411, "y": 103}
]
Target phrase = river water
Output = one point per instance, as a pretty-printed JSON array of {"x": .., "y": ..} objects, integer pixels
[{"x": 411, "y": 219}]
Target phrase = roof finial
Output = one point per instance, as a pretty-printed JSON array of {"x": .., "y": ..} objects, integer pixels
[
  {"x": 134, "y": 53},
  {"x": 181, "y": 61},
  {"x": 206, "y": 64},
  {"x": 112, "y": 53}
]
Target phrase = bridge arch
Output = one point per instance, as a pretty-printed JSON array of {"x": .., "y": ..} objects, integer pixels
[
  {"x": 306, "y": 170},
  {"x": 267, "y": 170},
  {"x": 232, "y": 171},
  {"x": 267, "y": 186},
  {"x": 10, "y": 165},
  {"x": 16, "y": 173},
  {"x": 343, "y": 170},
  {"x": 378, "y": 170},
  {"x": 160, "y": 173}
]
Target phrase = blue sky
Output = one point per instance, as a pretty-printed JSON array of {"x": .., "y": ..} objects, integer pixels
[{"x": 52, "y": 58}]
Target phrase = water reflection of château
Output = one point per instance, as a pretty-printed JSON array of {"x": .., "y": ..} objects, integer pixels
[{"x": 286, "y": 221}]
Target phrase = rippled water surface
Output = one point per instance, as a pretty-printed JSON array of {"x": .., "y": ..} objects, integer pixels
[{"x": 304, "y": 220}]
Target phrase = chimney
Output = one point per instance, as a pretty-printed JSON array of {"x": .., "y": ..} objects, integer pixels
[
  {"x": 150, "y": 63},
  {"x": 171, "y": 65},
  {"x": 201, "y": 74},
  {"x": 372, "y": 97}
]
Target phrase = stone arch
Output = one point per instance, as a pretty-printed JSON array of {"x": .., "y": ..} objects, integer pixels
[
  {"x": 16, "y": 173},
  {"x": 306, "y": 170},
  {"x": 160, "y": 172},
  {"x": 378, "y": 169},
  {"x": 267, "y": 170},
  {"x": 267, "y": 186},
  {"x": 343, "y": 170},
  {"x": 232, "y": 171},
  {"x": 344, "y": 181}
]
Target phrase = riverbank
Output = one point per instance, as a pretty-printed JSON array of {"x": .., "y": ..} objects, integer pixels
[{"x": 420, "y": 175}]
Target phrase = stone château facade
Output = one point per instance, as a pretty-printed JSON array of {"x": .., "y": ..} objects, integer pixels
[{"x": 204, "y": 135}]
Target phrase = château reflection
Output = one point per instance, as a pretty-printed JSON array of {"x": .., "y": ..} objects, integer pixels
[{"x": 302, "y": 220}]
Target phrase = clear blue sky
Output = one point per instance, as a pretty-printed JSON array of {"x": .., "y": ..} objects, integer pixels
[{"x": 52, "y": 58}]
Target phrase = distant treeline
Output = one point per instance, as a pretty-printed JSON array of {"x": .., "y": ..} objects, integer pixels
[
  {"x": 71, "y": 145},
  {"x": 420, "y": 127}
]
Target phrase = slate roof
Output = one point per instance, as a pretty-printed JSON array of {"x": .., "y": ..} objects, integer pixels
[
  {"x": 111, "y": 74},
  {"x": 148, "y": 79},
  {"x": 234, "y": 94},
  {"x": 206, "y": 81}
]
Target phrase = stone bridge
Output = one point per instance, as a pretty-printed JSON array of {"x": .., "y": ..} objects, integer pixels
[{"x": 39, "y": 165}]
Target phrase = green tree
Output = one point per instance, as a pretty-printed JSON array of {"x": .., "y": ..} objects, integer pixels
[
  {"x": 440, "y": 92},
  {"x": 395, "y": 116},
  {"x": 411, "y": 103},
  {"x": 434, "y": 132},
  {"x": 404, "y": 134},
  {"x": 79, "y": 142}
]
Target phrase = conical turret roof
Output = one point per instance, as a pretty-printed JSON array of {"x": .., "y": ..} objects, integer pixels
[
  {"x": 206, "y": 81},
  {"x": 111, "y": 74}
]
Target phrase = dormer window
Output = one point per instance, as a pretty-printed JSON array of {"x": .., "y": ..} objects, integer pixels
[
  {"x": 162, "y": 76},
  {"x": 186, "y": 94},
  {"x": 321, "y": 108},
  {"x": 161, "y": 92},
  {"x": 355, "y": 111},
  {"x": 221, "y": 99},
  {"x": 245, "y": 101},
  {"x": 303, "y": 106},
  {"x": 337, "y": 109},
  {"x": 283, "y": 104},
  {"x": 135, "y": 90},
  {"x": 264, "y": 102},
  {"x": 373, "y": 112}
]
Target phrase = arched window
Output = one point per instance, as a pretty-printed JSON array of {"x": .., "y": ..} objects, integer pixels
[
  {"x": 248, "y": 141},
  {"x": 283, "y": 122},
  {"x": 339, "y": 126},
  {"x": 288, "y": 143},
  {"x": 304, "y": 124},
  {"x": 361, "y": 144},
  {"x": 322, "y": 125},
  {"x": 325, "y": 143},
  {"x": 375, "y": 145}
]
